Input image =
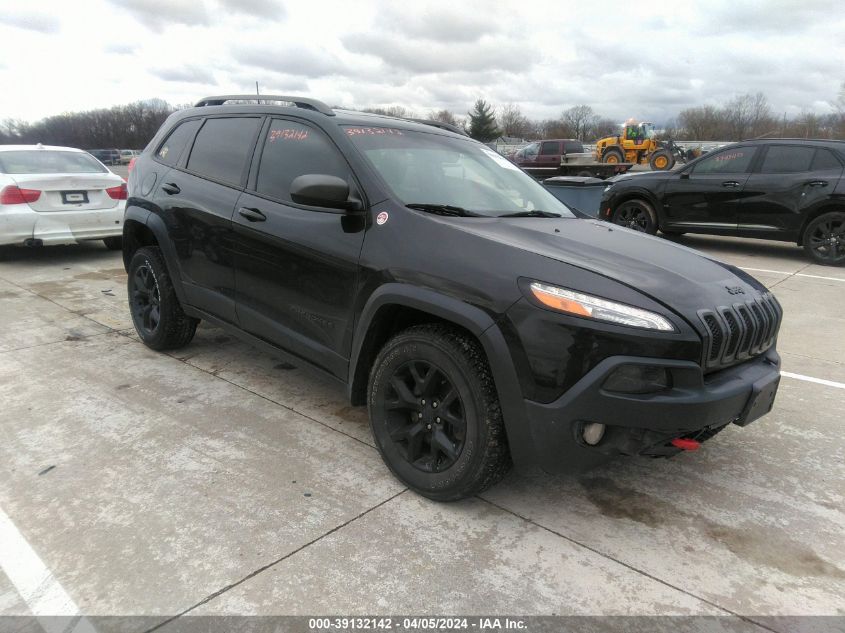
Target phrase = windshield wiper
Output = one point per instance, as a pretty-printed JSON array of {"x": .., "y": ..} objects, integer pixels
[
  {"x": 535, "y": 213},
  {"x": 444, "y": 209}
]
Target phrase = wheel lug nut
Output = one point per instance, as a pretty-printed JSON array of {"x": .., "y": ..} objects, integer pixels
[
  {"x": 428, "y": 426},
  {"x": 438, "y": 420},
  {"x": 422, "y": 402},
  {"x": 434, "y": 404},
  {"x": 419, "y": 415}
]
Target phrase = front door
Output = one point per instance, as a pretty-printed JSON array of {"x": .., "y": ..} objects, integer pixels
[
  {"x": 297, "y": 266},
  {"x": 706, "y": 196}
]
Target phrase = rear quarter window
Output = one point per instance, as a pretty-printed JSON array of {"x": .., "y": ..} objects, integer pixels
[{"x": 173, "y": 146}]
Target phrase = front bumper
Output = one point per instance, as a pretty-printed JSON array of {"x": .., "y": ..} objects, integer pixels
[{"x": 645, "y": 424}]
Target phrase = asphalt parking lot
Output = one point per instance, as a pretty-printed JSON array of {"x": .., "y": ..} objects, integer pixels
[{"x": 218, "y": 480}]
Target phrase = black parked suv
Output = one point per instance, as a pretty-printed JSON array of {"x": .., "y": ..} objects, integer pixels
[
  {"x": 475, "y": 316},
  {"x": 791, "y": 190}
]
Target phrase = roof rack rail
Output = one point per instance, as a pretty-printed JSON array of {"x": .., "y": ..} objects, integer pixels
[
  {"x": 299, "y": 102},
  {"x": 441, "y": 125}
]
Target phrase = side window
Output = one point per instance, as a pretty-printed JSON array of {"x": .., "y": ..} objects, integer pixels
[
  {"x": 291, "y": 150},
  {"x": 825, "y": 160},
  {"x": 736, "y": 160},
  {"x": 223, "y": 147},
  {"x": 531, "y": 150},
  {"x": 784, "y": 159},
  {"x": 550, "y": 148},
  {"x": 573, "y": 147},
  {"x": 173, "y": 146}
]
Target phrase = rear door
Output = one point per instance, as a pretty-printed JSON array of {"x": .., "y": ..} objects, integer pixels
[
  {"x": 706, "y": 196},
  {"x": 197, "y": 199},
  {"x": 790, "y": 180},
  {"x": 297, "y": 266}
]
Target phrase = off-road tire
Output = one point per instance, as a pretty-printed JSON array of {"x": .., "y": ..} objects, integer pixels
[
  {"x": 816, "y": 238},
  {"x": 174, "y": 328},
  {"x": 114, "y": 243},
  {"x": 656, "y": 160},
  {"x": 613, "y": 156},
  {"x": 484, "y": 457}
]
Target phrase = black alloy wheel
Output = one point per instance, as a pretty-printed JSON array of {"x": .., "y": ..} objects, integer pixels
[
  {"x": 156, "y": 313},
  {"x": 435, "y": 413},
  {"x": 145, "y": 300},
  {"x": 824, "y": 239},
  {"x": 425, "y": 416},
  {"x": 636, "y": 215}
]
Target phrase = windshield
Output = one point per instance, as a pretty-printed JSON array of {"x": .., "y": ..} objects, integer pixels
[
  {"x": 39, "y": 161},
  {"x": 431, "y": 169}
]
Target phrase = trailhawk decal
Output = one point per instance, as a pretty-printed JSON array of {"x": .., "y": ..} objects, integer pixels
[{"x": 381, "y": 218}]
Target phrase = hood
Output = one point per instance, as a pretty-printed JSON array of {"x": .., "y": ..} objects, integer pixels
[{"x": 680, "y": 278}]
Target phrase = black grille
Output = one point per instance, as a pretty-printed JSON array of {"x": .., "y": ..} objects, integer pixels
[{"x": 739, "y": 331}]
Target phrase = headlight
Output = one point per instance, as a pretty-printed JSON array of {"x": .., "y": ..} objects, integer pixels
[{"x": 584, "y": 305}]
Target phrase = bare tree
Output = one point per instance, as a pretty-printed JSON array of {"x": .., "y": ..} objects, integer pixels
[
  {"x": 580, "y": 119},
  {"x": 512, "y": 122},
  {"x": 444, "y": 116}
]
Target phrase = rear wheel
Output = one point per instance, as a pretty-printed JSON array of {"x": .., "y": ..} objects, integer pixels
[
  {"x": 661, "y": 160},
  {"x": 435, "y": 413},
  {"x": 637, "y": 215},
  {"x": 114, "y": 243},
  {"x": 824, "y": 239},
  {"x": 613, "y": 157},
  {"x": 156, "y": 312}
]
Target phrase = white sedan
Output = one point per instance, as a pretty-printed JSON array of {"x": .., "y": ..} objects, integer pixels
[{"x": 58, "y": 195}]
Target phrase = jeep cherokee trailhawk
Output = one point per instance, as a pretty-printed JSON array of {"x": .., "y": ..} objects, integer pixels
[{"x": 478, "y": 319}]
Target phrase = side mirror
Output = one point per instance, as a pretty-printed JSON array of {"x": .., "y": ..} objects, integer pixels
[{"x": 322, "y": 190}]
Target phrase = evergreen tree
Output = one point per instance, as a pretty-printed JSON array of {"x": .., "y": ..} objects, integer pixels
[{"x": 482, "y": 122}]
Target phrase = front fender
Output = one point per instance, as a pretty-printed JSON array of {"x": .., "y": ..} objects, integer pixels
[{"x": 479, "y": 323}]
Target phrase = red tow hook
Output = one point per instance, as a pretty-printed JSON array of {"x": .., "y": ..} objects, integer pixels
[{"x": 686, "y": 444}]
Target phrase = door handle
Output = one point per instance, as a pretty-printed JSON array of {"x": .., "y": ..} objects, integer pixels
[
  {"x": 817, "y": 183},
  {"x": 730, "y": 183},
  {"x": 170, "y": 188},
  {"x": 253, "y": 215}
]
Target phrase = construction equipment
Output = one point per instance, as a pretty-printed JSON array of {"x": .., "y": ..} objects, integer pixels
[{"x": 636, "y": 144}]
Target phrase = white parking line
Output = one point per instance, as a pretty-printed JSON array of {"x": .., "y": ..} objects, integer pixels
[
  {"x": 788, "y": 274},
  {"x": 820, "y": 381},
  {"x": 36, "y": 584}
]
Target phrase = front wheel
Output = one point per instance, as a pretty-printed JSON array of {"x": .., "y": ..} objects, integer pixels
[
  {"x": 661, "y": 160},
  {"x": 435, "y": 413},
  {"x": 824, "y": 239},
  {"x": 156, "y": 312},
  {"x": 637, "y": 215}
]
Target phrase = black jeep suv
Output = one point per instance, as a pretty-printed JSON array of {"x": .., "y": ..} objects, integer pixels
[
  {"x": 791, "y": 190},
  {"x": 475, "y": 316}
]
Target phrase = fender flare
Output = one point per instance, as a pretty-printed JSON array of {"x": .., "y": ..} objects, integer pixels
[
  {"x": 158, "y": 228},
  {"x": 481, "y": 325}
]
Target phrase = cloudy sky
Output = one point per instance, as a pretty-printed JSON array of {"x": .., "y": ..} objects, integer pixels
[{"x": 642, "y": 59}]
